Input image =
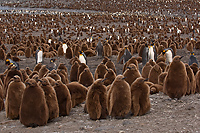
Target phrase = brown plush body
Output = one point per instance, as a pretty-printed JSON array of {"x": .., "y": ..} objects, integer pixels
[
  {"x": 146, "y": 69},
  {"x": 53, "y": 74},
  {"x": 111, "y": 65},
  {"x": 43, "y": 71},
  {"x": 107, "y": 50},
  {"x": 69, "y": 53},
  {"x": 96, "y": 100},
  {"x": 190, "y": 74},
  {"x": 33, "y": 110},
  {"x": 74, "y": 72},
  {"x": 131, "y": 74},
  {"x": 119, "y": 105},
  {"x": 176, "y": 82},
  {"x": 161, "y": 78},
  {"x": 86, "y": 78},
  {"x": 140, "y": 97},
  {"x": 154, "y": 73},
  {"x": 78, "y": 93},
  {"x": 197, "y": 77},
  {"x": 109, "y": 77},
  {"x": 155, "y": 88},
  {"x": 28, "y": 52},
  {"x": 14, "y": 96},
  {"x": 64, "y": 98},
  {"x": 51, "y": 98},
  {"x": 100, "y": 71},
  {"x": 81, "y": 67},
  {"x": 37, "y": 67}
]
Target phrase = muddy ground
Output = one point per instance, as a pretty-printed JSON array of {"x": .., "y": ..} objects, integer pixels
[{"x": 166, "y": 115}]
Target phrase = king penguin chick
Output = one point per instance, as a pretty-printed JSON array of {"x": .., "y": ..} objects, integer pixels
[
  {"x": 176, "y": 81},
  {"x": 169, "y": 54},
  {"x": 96, "y": 100},
  {"x": 119, "y": 105},
  {"x": 33, "y": 110},
  {"x": 64, "y": 98},
  {"x": 14, "y": 96},
  {"x": 86, "y": 77},
  {"x": 192, "y": 59},
  {"x": 39, "y": 55},
  {"x": 126, "y": 56},
  {"x": 51, "y": 98},
  {"x": 82, "y": 57},
  {"x": 140, "y": 97}
]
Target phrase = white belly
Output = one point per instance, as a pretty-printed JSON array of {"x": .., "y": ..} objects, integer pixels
[
  {"x": 64, "y": 46},
  {"x": 151, "y": 54},
  {"x": 82, "y": 59},
  {"x": 169, "y": 56},
  {"x": 39, "y": 59}
]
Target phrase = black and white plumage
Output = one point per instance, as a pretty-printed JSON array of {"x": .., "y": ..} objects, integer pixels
[
  {"x": 99, "y": 48},
  {"x": 192, "y": 59},
  {"x": 152, "y": 54},
  {"x": 169, "y": 54},
  {"x": 39, "y": 55},
  {"x": 52, "y": 65},
  {"x": 82, "y": 57},
  {"x": 9, "y": 61},
  {"x": 145, "y": 54},
  {"x": 126, "y": 56}
]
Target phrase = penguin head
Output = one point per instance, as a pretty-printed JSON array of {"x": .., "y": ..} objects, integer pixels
[
  {"x": 58, "y": 83},
  {"x": 31, "y": 83},
  {"x": 36, "y": 77},
  {"x": 44, "y": 81},
  {"x": 16, "y": 78},
  {"x": 52, "y": 60},
  {"x": 164, "y": 51},
  {"x": 99, "y": 82},
  {"x": 177, "y": 58},
  {"x": 7, "y": 62},
  {"x": 192, "y": 53},
  {"x": 141, "y": 80},
  {"x": 132, "y": 67},
  {"x": 120, "y": 78}
]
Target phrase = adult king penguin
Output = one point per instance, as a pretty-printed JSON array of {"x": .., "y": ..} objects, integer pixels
[
  {"x": 64, "y": 46},
  {"x": 145, "y": 55},
  {"x": 152, "y": 52},
  {"x": 39, "y": 55},
  {"x": 169, "y": 54},
  {"x": 192, "y": 59},
  {"x": 82, "y": 57},
  {"x": 99, "y": 48},
  {"x": 9, "y": 61}
]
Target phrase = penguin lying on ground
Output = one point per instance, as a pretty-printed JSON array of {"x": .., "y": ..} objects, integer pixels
[
  {"x": 9, "y": 61},
  {"x": 192, "y": 59}
]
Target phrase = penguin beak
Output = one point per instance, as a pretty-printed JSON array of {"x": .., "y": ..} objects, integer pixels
[
  {"x": 146, "y": 79},
  {"x": 107, "y": 69},
  {"x": 104, "y": 79},
  {"x": 39, "y": 80},
  {"x": 124, "y": 77},
  {"x": 128, "y": 67},
  {"x": 181, "y": 57},
  {"x": 28, "y": 83}
]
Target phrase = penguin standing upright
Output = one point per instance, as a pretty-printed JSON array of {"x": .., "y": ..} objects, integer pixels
[
  {"x": 52, "y": 65},
  {"x": 152, "y": 52},
  {"x": 39, "y": 55},
  {"x": 192, "y": 59},
  {"x": 82, "y": 57},
  {"x": 127, "y": 55},
  {"x": 64, "y": 46},
  {"x": 145, "y": 55},
  {"x": 99, "y": 48},
  {"x": 169, "y": 54},
  {"x": 9, "y": 61}
]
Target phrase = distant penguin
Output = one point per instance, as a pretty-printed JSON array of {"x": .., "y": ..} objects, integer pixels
[
  {"x": 169, "y": 54},
  {"x": 39, "y": 55},
  {"x": 14, "y": 96},
  {"x": 51, "y": 98},
  {"x": 100, "y": 71},
  {"x": 28, "y": 52},
  {"x": 119, "y": 105},
  {"x": 109, "y": 77},
  {"x": 154, "y": 73},
  {"x": 51, "y": 80},
  {"x": 37, "y": 67},
  {"x": 146, "y": 69},
  {"x": 145, "y": 54},
  {"x": 105, "y": 59},
  {"x": 132, "y": 60},
  {"x": 69, "y": 53},
  {"x": 192, "y": 59},
  {"x": 81, "y": 67},
  {"x": 161, "y": 78},
  {"x": 52, "y": 65},
  {"x": 33, "y": 110},
  {"x": 60, "y": 51},
  {"x": 24, "y": 74},
  {"x": 64, "y": 46},
  {"x": 107, "y": 49},
  {"x": 96, "y": 101},
  {"x": 194, "y": 68},
  {"x": 53, "y": 74},
  {"x": 152, "y": 54},
  {"x": 176, "y": 82},
  {"x": 82, "y": 57},
  {"x": 43, "y": 71},
  {"x": 78, "y": 93},
  {"x": 151, "y": 62},
  {"x": 62, "y": 66},
  {"x": 74, "y": 72},
  {"x": 86, "y": 78},
  {"x": 111, "y": 65},
  {"x": 99, "y": 48},
  {"x": 131, "y": 74},
  {"x": 64, "y": 98},
  {"x": 63, "y": 76},
  {"x": 9, "y": 61},
  {"x": 140, "y": 97},
  {"x": 2, "y": 54},
  {"x": 162, "y": 65},
  {"x": 32, "y": 74},
  {"x": 28, "y": 71},
  {"x": 126, "y": 56}
]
